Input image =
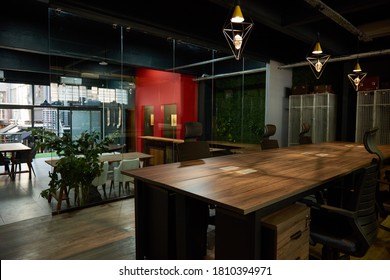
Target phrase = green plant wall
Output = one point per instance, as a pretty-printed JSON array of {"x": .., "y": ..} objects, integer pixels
[{"x": 239, "y": 108}]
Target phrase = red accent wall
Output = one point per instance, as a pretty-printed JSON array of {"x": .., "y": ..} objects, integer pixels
[{"x": 157, "y": 88}]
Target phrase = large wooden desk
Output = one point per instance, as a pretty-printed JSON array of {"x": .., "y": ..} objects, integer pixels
[
  {"x": 13, "y": 148},
  {"x": 244, "y": 187}
]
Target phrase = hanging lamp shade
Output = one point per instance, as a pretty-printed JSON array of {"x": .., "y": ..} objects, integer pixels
[
  {"x": 317, "y": 48},
  {"x": 237, "y": 16},
  {"x": 357, "y": 67},
  {"x": 236, "y": 32}
]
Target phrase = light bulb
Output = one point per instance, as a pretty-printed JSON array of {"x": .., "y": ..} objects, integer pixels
[
  {"x": 356, "y": 81},
  {"x": 318, "y": 66},
  {"x": 237, "y": 42}
]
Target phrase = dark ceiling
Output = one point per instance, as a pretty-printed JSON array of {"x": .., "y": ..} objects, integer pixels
[
  {"x": 283, "y": 30},
  {"x": 73, "y": 36}
]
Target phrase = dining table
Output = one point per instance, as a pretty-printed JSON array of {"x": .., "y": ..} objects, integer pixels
[
  {"x": 112, "y": 157},
  {"x": 242, "y": 187},
  {"x": 13, "y": 148},
  {"x": 109, "y": 157}
]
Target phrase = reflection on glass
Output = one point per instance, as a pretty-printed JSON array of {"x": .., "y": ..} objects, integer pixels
[
  {"x": 85, "y": 121},
  {"x": 12, "y": 124},
  {"x": 19, "y": 94}
]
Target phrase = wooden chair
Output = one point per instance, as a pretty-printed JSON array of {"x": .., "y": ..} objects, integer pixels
[
  {"x": 267, "y": 143},
  {"x": 349, "y": 231},
  {"x": 5, "y": 162},
  {"x": 25, "y": 157}
]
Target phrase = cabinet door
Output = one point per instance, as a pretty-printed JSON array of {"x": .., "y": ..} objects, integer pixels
[
  {"x": 364, "y": 113},
  {"x": 381, "y": 116},
  {"x": 294, "y": 127}
]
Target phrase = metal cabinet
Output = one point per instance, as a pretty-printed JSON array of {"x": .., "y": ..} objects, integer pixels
[
  {"x": 373, "y": 110},
  {"x": 319, "y": 110}
]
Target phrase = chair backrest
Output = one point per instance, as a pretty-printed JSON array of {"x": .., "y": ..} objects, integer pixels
[
  {"x": 365, "y": 202},
  {"x": 4, "y": 160},
  {"x": 102, "y": 179},
  {"x": 125, "y": 164},
  {"x": 24, "y": 156},
  {"x": 269, "y": 130},
  {"x": 267, "y": 143},
  {"x": 369, "y": 141},
  {"x": 303, "y": 138},
  {"x": 193, "y": 150},
  {"x": 192, "y": 131}
]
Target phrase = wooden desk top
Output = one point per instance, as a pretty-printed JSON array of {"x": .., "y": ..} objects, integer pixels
[
  {"x": 110, "y": 158},
  {"x": 162, "y": 139},
  {"x": 236, "y": 147},
  {"x": 119, "y": 157},
  {"x": 244, "y": 183},
  {"x": 13, "y": 147},
  {"x": 220, "y": 145}
]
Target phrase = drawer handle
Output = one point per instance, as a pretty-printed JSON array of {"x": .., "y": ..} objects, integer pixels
[{"x": 296, "y": 235}]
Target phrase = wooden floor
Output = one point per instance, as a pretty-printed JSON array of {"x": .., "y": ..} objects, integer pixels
[
  {"x": 100, "y": 232},
  {"x": 105, "y": 232}
]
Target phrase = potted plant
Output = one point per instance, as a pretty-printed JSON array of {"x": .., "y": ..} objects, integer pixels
[{"x": 78, "y": 163}]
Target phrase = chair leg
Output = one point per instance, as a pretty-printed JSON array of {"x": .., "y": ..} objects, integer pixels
[
  {"x": 328, "y": 253},
  {"x": 112, "y": 185},
  {"x": 104, "y": 190},
  {"x": 384, "y": 228},
  {"x": 120, "y": 187}
]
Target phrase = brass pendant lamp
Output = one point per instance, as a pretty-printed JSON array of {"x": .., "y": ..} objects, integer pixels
[
  {"x": 317, "y": 59},
  {"x": 236, "y": 31},
  {"x": 357, "y": 75}
]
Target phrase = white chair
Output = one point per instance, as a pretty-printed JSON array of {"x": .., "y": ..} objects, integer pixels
[
  {"x": 102, "y": 179},
  {"x": 123, "y": 180}
]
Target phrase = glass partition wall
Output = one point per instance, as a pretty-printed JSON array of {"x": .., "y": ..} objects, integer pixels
[{"x": 95, "y": 75}]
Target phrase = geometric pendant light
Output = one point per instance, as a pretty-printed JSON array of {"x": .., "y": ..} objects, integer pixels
[
  {"x": 236, "y": 31},
  {"x": 357, "y": 76},
  {"x": 317, "y": 59}
]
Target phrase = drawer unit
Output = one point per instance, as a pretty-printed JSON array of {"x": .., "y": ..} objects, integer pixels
[{"x": 285, "y": 233}]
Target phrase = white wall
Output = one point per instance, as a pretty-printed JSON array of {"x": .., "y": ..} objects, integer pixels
[{"x": 276, "y": 103}]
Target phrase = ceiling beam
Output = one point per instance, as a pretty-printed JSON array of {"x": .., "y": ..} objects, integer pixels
[
  {"x": 340, "y": 20},
  {"x": 341, "y": 58}
]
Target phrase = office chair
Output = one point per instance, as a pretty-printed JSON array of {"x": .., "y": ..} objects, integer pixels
[
  {"x": 196, "y": 150},
  {"x": 383, "y": 188},
  {"x": 192, "y": 131},
  {"x": 303, "y": 138},
  {"x": 193, "y": 150},
  {"x": 266, "y": 142},
  {"x": 348, "y": 231}
]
